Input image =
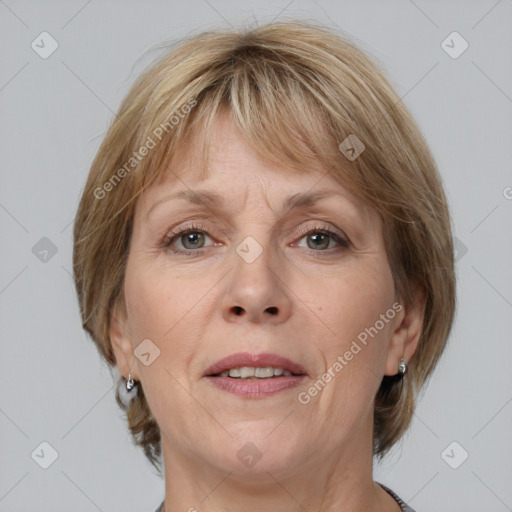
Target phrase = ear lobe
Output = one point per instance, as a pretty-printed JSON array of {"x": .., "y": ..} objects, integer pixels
[
  {"x": 120, "y": 340},
  {"x": 406, "y": 337}
]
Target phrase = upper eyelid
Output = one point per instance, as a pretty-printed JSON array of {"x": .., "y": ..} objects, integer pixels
[{"x": 201, "y": 227}]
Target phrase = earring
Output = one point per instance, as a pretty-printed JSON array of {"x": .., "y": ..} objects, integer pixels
[
  {"x": 402, "y": 367},
  {"x": 130, "y": 383}
]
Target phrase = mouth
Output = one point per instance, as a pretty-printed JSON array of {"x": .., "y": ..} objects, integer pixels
[
  {"x": 251, "y": 373},
  {"x": 255, "y": 375},
  {"x": 254, "y": 366}
]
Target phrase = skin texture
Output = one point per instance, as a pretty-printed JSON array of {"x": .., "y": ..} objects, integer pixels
[{"x": 305, "y": 297}]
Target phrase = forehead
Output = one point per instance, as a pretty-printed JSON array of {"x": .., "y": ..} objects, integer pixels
[{"x": 235, "y": 173}]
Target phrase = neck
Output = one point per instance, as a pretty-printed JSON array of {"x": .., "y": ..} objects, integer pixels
[{"x": 340, "y": 481}]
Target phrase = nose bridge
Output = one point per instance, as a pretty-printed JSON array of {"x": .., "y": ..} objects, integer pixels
[
  {"x": 255, "y": 290},
  {"x": 252, "y": 262}
]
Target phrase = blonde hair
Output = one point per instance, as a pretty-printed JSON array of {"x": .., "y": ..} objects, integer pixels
[{"x": 296, "y": 90}]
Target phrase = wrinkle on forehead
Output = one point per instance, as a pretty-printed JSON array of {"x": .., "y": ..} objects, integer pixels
[{"x": 186, "y": 171}]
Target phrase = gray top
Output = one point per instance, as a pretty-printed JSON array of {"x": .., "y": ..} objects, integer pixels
[{"x": 403, "y": 506}]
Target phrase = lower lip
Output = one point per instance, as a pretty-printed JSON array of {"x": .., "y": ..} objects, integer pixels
[{"x": 256, "y": 388}]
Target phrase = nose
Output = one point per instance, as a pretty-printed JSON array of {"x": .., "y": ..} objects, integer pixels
[{"x": 257, "y": 291}]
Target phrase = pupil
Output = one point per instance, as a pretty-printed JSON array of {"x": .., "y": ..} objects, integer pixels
[
  {"x": 192, "y": 238},
  {"x": 315, "y": 237}
]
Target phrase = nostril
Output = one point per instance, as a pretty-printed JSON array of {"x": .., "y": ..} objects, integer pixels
[
  {"x": 272, "y": 310},
  {"x": 238, "y": 310}
]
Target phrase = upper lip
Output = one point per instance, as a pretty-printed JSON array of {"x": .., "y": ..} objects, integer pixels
[{"x": 261, "y": 360}]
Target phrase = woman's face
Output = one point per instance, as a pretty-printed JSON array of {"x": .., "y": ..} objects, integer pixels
[{"x": 307, "y": 281}]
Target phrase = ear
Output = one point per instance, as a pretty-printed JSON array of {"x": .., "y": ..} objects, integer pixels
[
  {"x": 405, "y": 338},
  {"x": 121, "y": 341}
]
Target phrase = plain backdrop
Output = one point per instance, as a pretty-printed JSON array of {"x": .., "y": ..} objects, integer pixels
[{"x": 54, "y": 112}]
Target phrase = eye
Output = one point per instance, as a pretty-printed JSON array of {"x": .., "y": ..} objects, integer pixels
[
  {"x": 319, "y": 239},
  {"x": 191, "y": 237}
]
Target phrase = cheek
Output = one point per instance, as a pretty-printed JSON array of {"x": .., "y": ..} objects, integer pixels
[
  {"x": 173, "y": 312},
  {"x": 161, "y": 310},
  {"x": 150, "y": 312},
  {"x": 158, "y": 299},
  {"x": 349, "y": 309},
  {"x": 352, "y": 345}
]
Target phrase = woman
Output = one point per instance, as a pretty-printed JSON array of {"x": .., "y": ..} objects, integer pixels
[{"x": 263, "y": 249}]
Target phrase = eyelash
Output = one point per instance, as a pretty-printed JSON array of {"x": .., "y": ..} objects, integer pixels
[{"x": 192, "y": 228}]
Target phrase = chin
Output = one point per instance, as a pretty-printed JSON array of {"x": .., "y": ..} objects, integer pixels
[{"x": 262, "y": 453}]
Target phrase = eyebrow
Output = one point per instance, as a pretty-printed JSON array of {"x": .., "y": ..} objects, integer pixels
[{"x": 214, "y": 200}]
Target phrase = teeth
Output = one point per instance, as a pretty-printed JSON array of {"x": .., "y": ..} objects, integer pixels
[
  {"x": 264, "y": 373},
  {"x": 247, "y": 372}
]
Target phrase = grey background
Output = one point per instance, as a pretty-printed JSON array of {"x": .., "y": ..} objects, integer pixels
[{"x": 54, "y": 113}]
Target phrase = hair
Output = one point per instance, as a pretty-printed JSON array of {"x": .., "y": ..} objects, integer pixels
[{"x": 296, "y": 90}]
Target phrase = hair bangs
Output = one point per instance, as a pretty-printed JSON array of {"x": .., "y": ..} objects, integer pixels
[{"x": 279, "y": 113}]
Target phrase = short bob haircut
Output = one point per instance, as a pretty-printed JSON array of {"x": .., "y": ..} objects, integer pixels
[{"x": 296, "y": 90}]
